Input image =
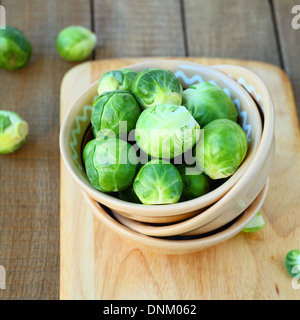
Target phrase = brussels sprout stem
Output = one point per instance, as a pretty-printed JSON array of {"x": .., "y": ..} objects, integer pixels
[{"x": 21, "y": 130}]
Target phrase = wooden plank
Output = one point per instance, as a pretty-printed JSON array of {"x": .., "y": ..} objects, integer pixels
[
  {"x": 289, "y": 39},
  {"x": 29, "y": 189},
  {"x": 239, "y": 29},
  {"x": 131, "y": 28},
  {"x": 98, "y": 264}
]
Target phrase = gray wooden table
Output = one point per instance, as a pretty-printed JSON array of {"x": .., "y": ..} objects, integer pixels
[{"x": 29, "y": 179}]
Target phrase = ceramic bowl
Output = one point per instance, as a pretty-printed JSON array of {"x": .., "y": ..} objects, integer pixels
[
  {"x": 215, "y": 216},
  {"x": 176, "y": 228},
  {"x": 77, "y": 121},
  {"x": 180, "y": 245}
]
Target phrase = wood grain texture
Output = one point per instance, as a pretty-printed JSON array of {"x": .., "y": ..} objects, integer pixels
[
  {"x": 289, "y": 40},
  {"x": 97, "y": 264},
  {"x": 29, "y": 206},
  {"x": 131, "y": 28},
  {"x": 237, "y": 29},
  {"x": 29, "y": 189}
]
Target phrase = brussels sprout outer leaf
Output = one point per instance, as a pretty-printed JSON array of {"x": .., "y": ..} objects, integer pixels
[
  {"x": 158, "y": 182},
  {"x": 225, "y": 147},
  {"x": 15, "y": 49},
  {"x": 116, "y": 80},
  {"x": 88, "y": 159},
  {"x": 97, "y": 112},
  {"x": 75, "y": 43},
  {"x": 13, "y": 132},
  {"x": 207, "y": 102},
  {"x": 195, "y": 182},
  {"x": 157, "y": 86},
  {"x": 4, "y": 122},
  {"x": 292, "y": 262},
  {"x": 110, "y": 164},
  {"x": 255, "y": 224},
  {"x": 166, "y": 131},
  {"x": 115, "y": 113}
]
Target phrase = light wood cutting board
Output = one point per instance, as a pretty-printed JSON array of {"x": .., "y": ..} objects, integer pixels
[{"x": 97, "y": 264}]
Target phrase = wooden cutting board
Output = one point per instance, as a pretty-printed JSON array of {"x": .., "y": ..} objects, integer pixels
[{"x": 97, "y": 264}]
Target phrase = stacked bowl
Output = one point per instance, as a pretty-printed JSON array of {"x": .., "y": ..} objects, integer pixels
[{"x": 195, "y": 224}]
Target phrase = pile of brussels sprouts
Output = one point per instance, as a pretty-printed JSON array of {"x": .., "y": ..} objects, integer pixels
[{"x": 157, "y": 143}]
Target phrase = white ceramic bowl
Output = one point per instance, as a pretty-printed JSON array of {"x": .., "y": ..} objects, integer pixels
[
  {"x": 77, "y": 121},
  {"x": 176, "y": 246},
  {"x": 175, "y": 228},
  {"x": 211, "y": 219}
]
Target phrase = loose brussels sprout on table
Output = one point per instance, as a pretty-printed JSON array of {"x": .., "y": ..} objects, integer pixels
[
  {"x": 158, "y": 182},
  {"x": 110, "y": 164},
  {"x": 15, "y": 49},
  {"x": 292, "y": 262},
  {"x": 157, "y": 86},
  {"x": 255, "y": 224},
  {"x": 116, "y": 80},
  {"x": 114, "y": 111},
  {"x": 166, "y": 131},
  {"x": 13, "y": 131},
  {"x": 75, "y": 43},
  {"x": 195, "y": 182},
  {"x": 207, "y": 102},
  {"x": 225, "y": 146}
]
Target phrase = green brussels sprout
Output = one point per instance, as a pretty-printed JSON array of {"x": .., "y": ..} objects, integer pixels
[
  {"x": 15, "y": 49},
  {"x": 255, "y": 224},
  {"x": 158, "y": 182},
  {"x": 110, "y": 164},
  {"x": 157, "y": 86},
  {"x": 292, "y": 262},
  {"x": 166, "y": 131},
  {"x": 113, "y": 108},
  {"x": 116, "y": 80},
  {"x": 129, "y": 195},
  {"x": 224, "y": 148},
  {"x": 13, "y": 131},
  {"x": 207, "y": 102},
  {"x": 195, "y": 182},
  {"x": 75, "y": 43}
]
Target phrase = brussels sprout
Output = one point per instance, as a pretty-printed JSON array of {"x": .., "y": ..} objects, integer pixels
[
  {"x": 129, "y": 195},
  {"x": 75, "y": 43},
  {"x": 13, "y": 131},
  {"x": 292, "y": 262},
  {"x": 15, "y": 49},
  {"x": 110, "y": 164},
  {"x": 207, "y": 102},
  {"x": 116, "y": 80},
  {"x": 157, "y": 86},
  {"x": 255, "y": 224},
  {"x": 158, "y": 182},
  {"x": 113, "y": 107},
  {"x": 225, "y": 147},
  {"x": 166, "y": 131},
  {"x": 195, "y": 183}
]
